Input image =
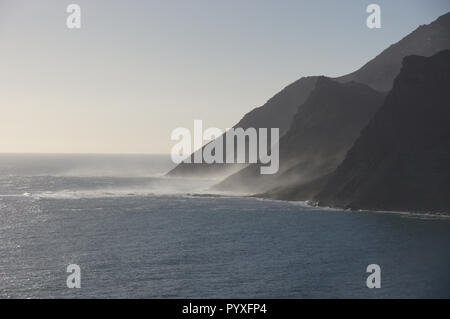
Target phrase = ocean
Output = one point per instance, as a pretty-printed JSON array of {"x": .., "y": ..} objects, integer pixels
[{"x": 137, "y": 234}]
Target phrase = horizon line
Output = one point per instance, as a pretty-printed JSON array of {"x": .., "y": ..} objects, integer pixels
[{"x": 78, "y": 153}]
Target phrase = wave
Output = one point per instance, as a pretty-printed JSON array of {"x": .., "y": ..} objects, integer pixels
[
  {"x": 414, "y": 215},
  {"x": 89, "y": 194},
  {"x": 139, "y": 188}
]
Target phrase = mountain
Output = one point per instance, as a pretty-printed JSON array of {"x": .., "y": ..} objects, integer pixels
[
  {"x": 426, "y": 41},
  {"x": 277, "y": 112},
  {"x": 300, "y": 171},
  {"x": 401, "y": 161},
  {"x": 322, "y": 131},
  {"x": 378, "y": 73}
]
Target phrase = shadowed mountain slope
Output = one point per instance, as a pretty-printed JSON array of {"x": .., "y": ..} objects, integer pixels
[
  {"x": 277, "y": 112},
  {"x": 378, "y": 73},
  {"x": 321, "y": 133},
  {"x": 402, "y": 159}
]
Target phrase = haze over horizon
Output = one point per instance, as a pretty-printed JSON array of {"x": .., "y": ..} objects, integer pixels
[{"x": 137, "y": 70}]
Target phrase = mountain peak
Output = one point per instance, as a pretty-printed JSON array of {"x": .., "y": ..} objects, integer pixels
[
  {"x": 443, "y": 19},
  {"x": 426, "y": 40}
]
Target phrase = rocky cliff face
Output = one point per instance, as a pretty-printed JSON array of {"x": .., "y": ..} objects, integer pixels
[
  {"x": 401, "y": 161},
  {"x": 321, "y": 133},
  {"x": 277, "y": 112}
]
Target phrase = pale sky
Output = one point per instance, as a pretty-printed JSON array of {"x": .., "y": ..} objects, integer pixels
[{"x": 136, "y": 70}]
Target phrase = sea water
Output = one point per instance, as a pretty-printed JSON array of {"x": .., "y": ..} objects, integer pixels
[{"x": 137, "y": 234}]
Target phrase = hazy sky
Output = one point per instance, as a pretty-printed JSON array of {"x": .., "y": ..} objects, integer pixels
[{"x": 138, "y": 69}]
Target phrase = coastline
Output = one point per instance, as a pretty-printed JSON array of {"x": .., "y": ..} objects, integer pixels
[{"x": 309, "y": 204}]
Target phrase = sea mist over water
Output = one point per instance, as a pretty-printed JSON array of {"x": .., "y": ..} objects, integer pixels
[
  {"x": 79, "y": 165},
  {"x": 77, "y": 176},
  {"x": 143, "y": 236}
]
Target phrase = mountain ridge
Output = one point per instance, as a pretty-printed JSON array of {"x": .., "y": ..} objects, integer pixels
[
  {"x": 401, "y": 161},
  {"x": 280, "y": 110},
  {"x": 322, "y": 131}
]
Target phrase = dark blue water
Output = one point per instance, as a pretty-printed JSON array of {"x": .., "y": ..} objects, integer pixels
[{"x": 135, "y": 235}]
